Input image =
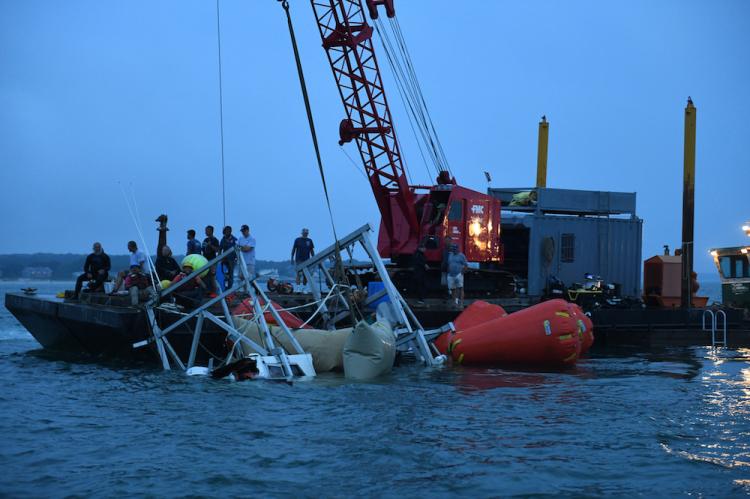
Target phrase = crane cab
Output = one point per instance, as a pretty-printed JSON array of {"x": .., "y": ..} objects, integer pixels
[{"x": 470, "y": 218}]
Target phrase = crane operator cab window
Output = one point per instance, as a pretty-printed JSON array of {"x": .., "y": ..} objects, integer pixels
[{"x": 456, "y": 212}]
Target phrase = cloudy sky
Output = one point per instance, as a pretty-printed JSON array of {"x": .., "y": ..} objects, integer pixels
[{"x": 99, "y": 96}]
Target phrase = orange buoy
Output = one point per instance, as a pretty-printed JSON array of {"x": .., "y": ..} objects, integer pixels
[{"x": 546, "y": 334}]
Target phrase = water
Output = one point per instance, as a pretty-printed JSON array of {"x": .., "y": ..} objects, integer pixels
[{"x": 670, "y": 423}]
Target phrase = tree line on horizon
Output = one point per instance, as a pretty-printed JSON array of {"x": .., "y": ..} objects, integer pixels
[{"x": 65, "y": 265}]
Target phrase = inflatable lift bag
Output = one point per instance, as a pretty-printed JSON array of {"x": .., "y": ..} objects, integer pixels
[
  {"x": 370, "y": 351},
  {"x": 326, "y": 347}
]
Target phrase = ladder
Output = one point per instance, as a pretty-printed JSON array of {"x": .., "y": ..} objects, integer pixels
[{"x": 713, "y": 320}]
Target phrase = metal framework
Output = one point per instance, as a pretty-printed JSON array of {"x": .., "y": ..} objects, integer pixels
[
  {"x": 270, "y": 353},
  {"x": 410, "y": 335},
  {"x": 347, "y": 39}
]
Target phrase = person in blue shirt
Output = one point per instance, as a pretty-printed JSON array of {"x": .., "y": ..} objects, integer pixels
[
  {"x": 302, "y": 249},
  {"x": 228, "y": 241},
  {"x": 194, "y": 246}
]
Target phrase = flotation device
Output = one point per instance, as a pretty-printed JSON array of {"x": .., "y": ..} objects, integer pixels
[
  {"x": 478, "y": 313},
  {"x": 292, "y": 321},
  {"x": 369, "y": 351},
  {"x": 585, "y": 327},
  {"x": 546, "y": 334},
  {"x": 326, "y": 347},
  {"x": 195, "y": 262}
]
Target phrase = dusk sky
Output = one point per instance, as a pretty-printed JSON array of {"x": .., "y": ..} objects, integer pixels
[{"x": 99, "y": 94}]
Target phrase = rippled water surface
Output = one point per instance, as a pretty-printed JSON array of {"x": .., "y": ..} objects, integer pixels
[{"x": 662, "y": 423}]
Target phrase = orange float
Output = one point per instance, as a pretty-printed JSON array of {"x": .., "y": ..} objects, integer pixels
[
  {"x": 585, "y": 327},
  {"x": 547, "y": 334}
]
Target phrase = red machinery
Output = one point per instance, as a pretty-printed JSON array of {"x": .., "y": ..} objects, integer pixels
[{"x": 470, "y": 217}]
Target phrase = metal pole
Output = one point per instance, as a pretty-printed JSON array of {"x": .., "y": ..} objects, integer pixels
[
  {"x": 196, "y": 340},
  {"x": 688, "y": 205},
  {"x": 541, "y": 155}
]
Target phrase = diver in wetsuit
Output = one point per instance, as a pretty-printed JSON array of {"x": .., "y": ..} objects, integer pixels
[
  {"x": 166, "y": 266},
  {"x": 96, "y": 269}
]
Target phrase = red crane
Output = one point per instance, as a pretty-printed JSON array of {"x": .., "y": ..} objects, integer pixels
[{"x": 471, "y": 218}]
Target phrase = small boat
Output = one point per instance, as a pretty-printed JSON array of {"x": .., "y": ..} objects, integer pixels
[
  {"x": 29, "y": 291},
  {"x": 552, "y": 334}
]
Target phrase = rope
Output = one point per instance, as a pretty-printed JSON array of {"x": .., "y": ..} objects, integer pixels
[
  {"x": 314, "y": 135},
  {"x": 221, "y": 120}
]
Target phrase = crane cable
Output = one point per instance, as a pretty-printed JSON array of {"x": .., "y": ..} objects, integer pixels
[
  {"x": 300, "y": 73},
  {"x": 396, "y": 26},
  {"x": 409, "y": 108},
  {"x": 221, "y": 119},
  {"x": 399, "y": 59},
  {"x": 410, "y": 102}
]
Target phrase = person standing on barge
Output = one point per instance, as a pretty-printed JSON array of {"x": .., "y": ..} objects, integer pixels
[
  {"x": 227, "y": 265},
  {"x": 457, "y": 265},
  {"x": 210, "y": 245},
  {"x": 302, "y": 249},
  {"x": 95, "y": 268},
  {"x": 194, "y": 246},
  {"x": 419, "y": 273},
  {"x": 247, "y": 244}
]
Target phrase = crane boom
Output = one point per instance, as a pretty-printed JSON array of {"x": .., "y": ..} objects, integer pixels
[
  {"x": 470, "y": 218},
  {"x": 347, "y": 40}
]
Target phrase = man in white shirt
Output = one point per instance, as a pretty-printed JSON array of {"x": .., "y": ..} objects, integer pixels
[
  {"x": 137, "y": 257},
  {"x": 246, "y": 242}
]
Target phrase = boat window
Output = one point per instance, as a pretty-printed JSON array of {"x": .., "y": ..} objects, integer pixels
[
  {"x": 734, "y": 266},
  {"x": 741, "y": 267},
  {"x": 567, "y": 248},
  {"x": 456, "y": 212},
  {"x": 725, "y": 263}
]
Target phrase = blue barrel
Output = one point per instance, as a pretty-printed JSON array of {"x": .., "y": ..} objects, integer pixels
[{"x": 373, "y": 288}]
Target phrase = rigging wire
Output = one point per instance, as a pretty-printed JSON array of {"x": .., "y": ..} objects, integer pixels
[
  {"x": 407, "y": 57},
  {"x": 133, "y": 216},
  {"x": 311, "y": 122},
  {"x": 400, "y": 61},
  {"x": 356, "y": 167},
  {"x": 407, "y": 104},
  {"x": 409, "y": 91},
  {"x": 399, "y": 75},
  {"x": 221, "y": 119}
]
